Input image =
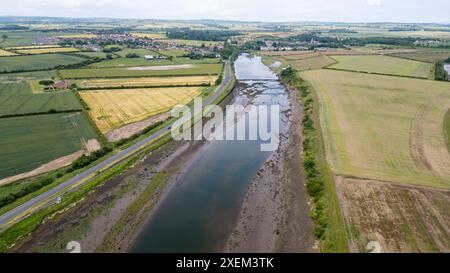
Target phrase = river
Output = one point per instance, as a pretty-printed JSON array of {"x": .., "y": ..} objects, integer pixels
[
  {"x": 447, "y": 68},
  {"x": 200, "y": 211}
]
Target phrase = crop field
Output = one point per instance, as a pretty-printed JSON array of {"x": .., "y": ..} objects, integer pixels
[
  {"x": 150, "y": 71},
  {"x": 28, "y": 47},
  {"x": 93, "y": 54},
  {"x": 18, "y": 99},
  {"x": 140, "y": 51},
  {"x": 424, "y": 56},
  {"x": 145, "y": 82},
  {"x": 47, "y": 50},
  {"x": 312, "y": 63},
  {"x": 128, "y": 62},
  {"x": 402, "y": 219},
  {"x": 36, "y": 62},
  {"x": 384, "y": 128},
  {"x": 25, "y": 140},
  {"x": 383, "y": 65},
  {"x": 111, "y": 109},
  {"x": 4, "y": 53}
]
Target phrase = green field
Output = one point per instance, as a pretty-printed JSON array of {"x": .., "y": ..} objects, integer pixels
[
  {"x": 382, "y": 127},
  {"x": 383, "y": 65},
  {"x": 18, "y": 99},
  {"x": 139, "y": 51},
  {"x": 28, "y": 142},
  {"x": 127, "y": 62},
  {"x": 93, "y": 54},
  {"x": 36, "y": 62},
  {"x": 197, "y": 69},
  {"x": 447, "y": 129}
]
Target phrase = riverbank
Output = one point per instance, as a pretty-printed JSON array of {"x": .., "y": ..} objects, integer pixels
[{"x": 275, "y": 216}]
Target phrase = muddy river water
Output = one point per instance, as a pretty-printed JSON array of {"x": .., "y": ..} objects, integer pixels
[{"x": 200, "y": 211}]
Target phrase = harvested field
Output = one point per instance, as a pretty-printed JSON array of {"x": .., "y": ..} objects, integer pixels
[
  {"x": 382, "y": 127},
  {"x": 401, "y": 218},
  {"x": 383, "y": 65},
  {"x": 47, "y": 50},
  {"x": 312, "y": 63},
  {"x": 32, "y": 47},
  {"x": 425, "y": 56},
  {"x": 149, "y": 81},
  {"x": 25, "y": 140},
  {"x": 4, "y": 53},
  {"x": 149, "y": 35},
  {"x": 111, "y": 109},
  {"x": 197, "y": 69}
]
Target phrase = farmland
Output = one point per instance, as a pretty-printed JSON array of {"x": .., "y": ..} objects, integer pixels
[
  {"x": 127, "y": 62},
  {"x": 312, "y": 63},
  {"x": 28, "y": 47},
  {"x": 17, "y": 99},
  {"x": 384, "y": 128},
  {"x": 425, "y": 55},
  {"x": 149, "y": 81},
  {"x": 149, "y": 35},
  {"x": 25, "y": 140},
  {"x": 383, "y": 65},
  {"x": 36, "y": 62},
  {"x": 4, "y": 53},
  {"x": 47, "y": 50},
  {"x": 198, "y": 69},
  {"x": 402, "y": 219},
  {"x": 111, "y": 109}
]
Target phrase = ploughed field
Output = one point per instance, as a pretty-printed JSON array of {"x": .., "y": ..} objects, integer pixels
[
  {"x": 31, "y": 141},
  {"x": 111, "y": 109}
]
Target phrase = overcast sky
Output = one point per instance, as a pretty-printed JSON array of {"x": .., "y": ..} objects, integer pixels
[{"x": 259, "y": 10}]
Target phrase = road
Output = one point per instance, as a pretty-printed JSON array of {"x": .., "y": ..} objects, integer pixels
[{"x": 91, "y": 172}]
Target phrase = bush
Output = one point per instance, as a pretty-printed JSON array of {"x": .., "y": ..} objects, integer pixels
[
  {"x": 46, "y": 82},
  {"x": 30, "y": 188}
]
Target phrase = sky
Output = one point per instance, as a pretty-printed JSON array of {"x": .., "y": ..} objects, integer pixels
[{"x": 433, "y": 11}]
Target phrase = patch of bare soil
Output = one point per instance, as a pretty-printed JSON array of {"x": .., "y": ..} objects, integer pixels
[
  {"x": 129, "y": 130},
  {"x": 275, "y": 215},
  {"x": 92, "y": 145},
  {"x": 51, "y": 166},
  {"x": 401, "y": 218},
  {"x": 92, "y": 219}
]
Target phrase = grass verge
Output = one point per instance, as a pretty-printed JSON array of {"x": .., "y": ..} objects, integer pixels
[{"x": 330, "y": 227}]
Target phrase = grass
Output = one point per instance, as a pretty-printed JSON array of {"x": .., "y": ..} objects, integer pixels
[
  {"x": 173, "y": 52},
  {"x": 47, "y": 50},
  {"x": 111, "y": 109},
  {"x": 4, "y": 53},
  {"x": 387, "y": 65},
  {"x": 139, "y": 51},
  {"x": 18, "y": 99},
  {"x": 25, "y": 140},
  {"x": 36, "y": 62},
  {"x": 447, "y": 129},
  {"x": 198, "y": 69},
  {"x": 383, "y": 128},
  {"x": 92, "y": 54},
  {"x": 145, "y": 82}
]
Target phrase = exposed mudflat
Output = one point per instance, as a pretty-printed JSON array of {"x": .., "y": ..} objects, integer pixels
[{"x": 275, "y": 216}]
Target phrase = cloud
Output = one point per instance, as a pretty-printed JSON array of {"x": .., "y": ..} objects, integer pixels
[
  {"x": 374, "y": 2},
  {"x": 248, "y": 10}
]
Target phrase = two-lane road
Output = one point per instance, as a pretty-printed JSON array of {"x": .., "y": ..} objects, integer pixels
[{"x": 85, "y": 176}]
